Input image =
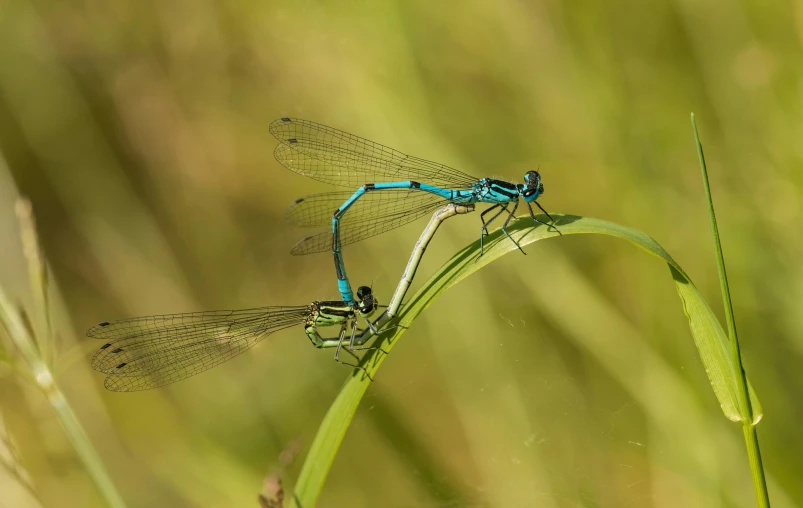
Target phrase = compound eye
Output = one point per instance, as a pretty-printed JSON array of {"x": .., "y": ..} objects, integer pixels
[
  {"x": 363, "y": 292},
  {"x": 367, "y": 306}
]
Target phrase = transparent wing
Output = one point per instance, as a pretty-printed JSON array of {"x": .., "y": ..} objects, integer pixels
[
  {"x": 149, "y": 352},
  {"x": 339, "y": 158},
  {"x": 372, "y": 214}
]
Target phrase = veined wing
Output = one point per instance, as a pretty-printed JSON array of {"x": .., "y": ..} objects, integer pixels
[
  {"x": 149, "y": 352},
  {"x": 339, "y": 158},
  {"x": 372, "y": 214}
]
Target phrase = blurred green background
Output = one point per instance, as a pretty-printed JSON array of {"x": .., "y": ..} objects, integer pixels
[{"x": 564, "y": 378}]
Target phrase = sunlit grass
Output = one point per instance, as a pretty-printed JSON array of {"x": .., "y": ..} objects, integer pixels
[
  {"x": 750, "y": 412},
  {"x": 709, "y": 337}
]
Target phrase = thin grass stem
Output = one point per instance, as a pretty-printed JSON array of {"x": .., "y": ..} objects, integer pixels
[
  {"x": 748, "y": 424},
  {"x": 30, "y": 350}
]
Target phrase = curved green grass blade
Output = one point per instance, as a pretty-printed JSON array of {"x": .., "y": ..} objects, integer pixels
[{"x": 709, "y": 337}]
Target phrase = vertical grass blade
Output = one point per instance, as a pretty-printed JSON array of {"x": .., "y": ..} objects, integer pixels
[
  {"x": 30, "y": 352},
  {"x": 750, "y": 436}
]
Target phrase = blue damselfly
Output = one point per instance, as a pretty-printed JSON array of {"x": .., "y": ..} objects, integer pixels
[{"x": 394, "y": 189}]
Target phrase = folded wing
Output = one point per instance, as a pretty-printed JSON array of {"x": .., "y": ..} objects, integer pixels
[
  {"x": 339, "y": 158},
  {"x": 149, "y": 352}
]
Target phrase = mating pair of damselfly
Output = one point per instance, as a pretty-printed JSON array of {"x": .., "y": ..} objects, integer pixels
[{"x": 148, "y": 352}]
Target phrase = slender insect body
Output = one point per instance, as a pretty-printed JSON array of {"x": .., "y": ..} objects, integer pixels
[
  {"x": 486, "y": 190},
  {"x": 461, "y": 196}
]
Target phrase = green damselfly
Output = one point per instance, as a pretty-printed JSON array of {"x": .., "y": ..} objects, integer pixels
[
  {"x": 153, "y": 351},
  {"x": 148, "y": 352}
]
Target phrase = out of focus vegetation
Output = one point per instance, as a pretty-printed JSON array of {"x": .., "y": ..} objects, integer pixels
[{"x": 564, "y": 378}]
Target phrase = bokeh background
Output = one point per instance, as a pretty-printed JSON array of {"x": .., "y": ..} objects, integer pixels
[{"x": 564, "y": 378}]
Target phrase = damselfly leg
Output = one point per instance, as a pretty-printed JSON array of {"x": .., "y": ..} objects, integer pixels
[
  {"x": 484, "y": 229},
  {"x": 392, "y": 327},
  {"x": 532, "y": 214},
  {"x": 349, "y": 349},
  {"x": 511, "y": 215},
  {"x": 507, "y": 221},
  {"x": 374, "y": 331},
  {"x": 379, "y": 331}
]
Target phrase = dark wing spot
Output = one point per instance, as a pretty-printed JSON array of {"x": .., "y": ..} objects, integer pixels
[
  {"x": 104, "y": 346},
  {"x": 117, "y": 350},
  {"x": 285, "y": 119},
  {"x": 121, "y": 366},
  {"x": 105, "y": 323},
  {"x": 297, "y": 201},
  {"x": 292, "y": 140}
]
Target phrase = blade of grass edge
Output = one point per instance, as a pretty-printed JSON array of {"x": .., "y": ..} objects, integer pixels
[
  {"x": 750, "y": 435},
  {"x": 708, "y": 335}
]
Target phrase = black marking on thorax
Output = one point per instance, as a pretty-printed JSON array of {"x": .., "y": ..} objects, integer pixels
[
  {"x": 336, "y": 308},
  {"x": 507, "y": 189},
  {"x": 503, "y": 184}
]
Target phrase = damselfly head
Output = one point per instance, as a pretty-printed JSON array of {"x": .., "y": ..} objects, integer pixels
[
  {"x": 534, "y": 186},
  {"x": 366, "y": 301}
]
